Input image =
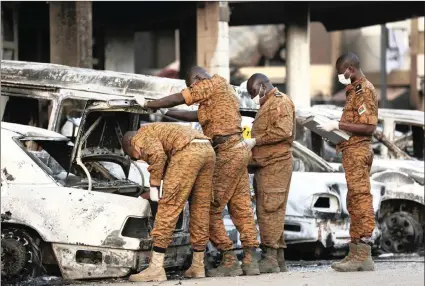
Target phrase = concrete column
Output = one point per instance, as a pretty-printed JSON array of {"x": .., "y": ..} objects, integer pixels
[
  {"x": 145, "y": 51},
  {"x": 414, "y": 43},
  {"x": 119, "y": 51},
  {"x": 213, "y": 38},
  {"x": 297, "y": 18},
  {"x": 71, "y": 33},
  {"x": 187, "y": 44}
]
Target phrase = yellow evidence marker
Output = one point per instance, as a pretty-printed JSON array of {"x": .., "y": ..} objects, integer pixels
[{"x": 246, "y": 133}]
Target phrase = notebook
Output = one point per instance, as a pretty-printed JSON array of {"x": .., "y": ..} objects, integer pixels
[{"x": 335, "y": 136}]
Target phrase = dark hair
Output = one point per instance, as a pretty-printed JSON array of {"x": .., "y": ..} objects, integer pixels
[
  {"x": 257, "y": 78},
  {"x": 194, "y": 71},
  {"x": 348, "y": 59},
  {"x": 126, "y": 140}
]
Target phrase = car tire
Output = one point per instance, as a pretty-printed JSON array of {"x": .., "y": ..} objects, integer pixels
[
  {"x": 20, "y": 255},
  {"x": 187, "y": 262},
  {"x": 401, "y": 233},
  {"x": 211, "y": 260}
]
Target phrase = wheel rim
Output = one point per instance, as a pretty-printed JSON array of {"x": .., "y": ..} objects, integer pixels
[
  {"x": 17, "y": 257},
  {"x": 399, "y": 234}
]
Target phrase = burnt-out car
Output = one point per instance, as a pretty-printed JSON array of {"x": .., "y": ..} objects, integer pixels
[
  {"x": 73, "y": 207},
  {"x": 398, "y": 165}
]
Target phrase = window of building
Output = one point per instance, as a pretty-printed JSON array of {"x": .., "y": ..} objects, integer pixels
[{"x": 9, "y": 31}]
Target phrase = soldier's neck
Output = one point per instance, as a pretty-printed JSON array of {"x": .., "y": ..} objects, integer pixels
[
  {"x": 357, "y": 75},
  {"x": 269, "y": 88}
]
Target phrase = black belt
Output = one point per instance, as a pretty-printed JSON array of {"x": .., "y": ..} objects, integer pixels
[{"x": 220, "y": 139}]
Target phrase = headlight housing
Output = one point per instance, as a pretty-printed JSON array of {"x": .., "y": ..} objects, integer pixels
[{"x": 325, "y": 204}]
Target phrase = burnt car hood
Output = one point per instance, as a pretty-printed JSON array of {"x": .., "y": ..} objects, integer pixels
[
  {"x": 403, "y": 165},
  {"x": 110, "y": 125},
  {"x": 413, "y": 168}
]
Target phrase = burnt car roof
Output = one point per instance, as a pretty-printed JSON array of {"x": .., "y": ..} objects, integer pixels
[
  {"x": 48, "y": 76},
  {"x": 59, "y": 76}
]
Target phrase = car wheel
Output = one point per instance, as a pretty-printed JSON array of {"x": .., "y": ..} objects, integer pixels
[
  {"x": 401, "y": 233},
  {"x": 187, "y": 262},
  {"x": 20, "y": 256},
  {"x": 211, "y": 259}
]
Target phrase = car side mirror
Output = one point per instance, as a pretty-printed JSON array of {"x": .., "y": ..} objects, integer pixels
[
  {"x": 70, "y": 129},
  {"x": 74, "y": 120}
]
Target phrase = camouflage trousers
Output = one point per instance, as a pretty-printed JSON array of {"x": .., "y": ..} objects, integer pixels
[
  {"x": 357, "y": 161},
  {"x": 189, "y": 172},
  {"x": 272, "y": 184},
  {"x": 231, "y": 188}
]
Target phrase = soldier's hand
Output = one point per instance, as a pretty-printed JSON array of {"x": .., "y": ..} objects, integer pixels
[
  {"x": 154, "y": 194},
  {"x": 163, "y": 110},
  {"x": 145, "y": 195},
  {"x": 250, "y": 143},
  {"x": 329, "y": 126},
  {"x": 140, "y": 100}
]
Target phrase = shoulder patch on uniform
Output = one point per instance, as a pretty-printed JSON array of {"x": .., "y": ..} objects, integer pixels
[
  {"x": 278, "y": 94},
  {"x": 358, "y": 88},
  {"x": 362, "y": 109}
]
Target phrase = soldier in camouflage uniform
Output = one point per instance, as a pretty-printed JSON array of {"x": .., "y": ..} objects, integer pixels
[
  {"x": 190, "y": 160},
  {"x": 220, "y": 119},
  {"x": 273, "y": 132},
  {"x": 360, "y": 117}
]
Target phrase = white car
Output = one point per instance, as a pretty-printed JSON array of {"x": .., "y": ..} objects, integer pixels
[{"x": 51, "y": 218}]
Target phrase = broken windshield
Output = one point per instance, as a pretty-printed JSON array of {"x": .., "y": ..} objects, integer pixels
[{"x": 52, "y": 156}]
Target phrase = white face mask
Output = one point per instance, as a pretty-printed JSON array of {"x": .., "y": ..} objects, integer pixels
[
  {"x": 256, "y": 99},
  {"x": 343, "y": 80}
]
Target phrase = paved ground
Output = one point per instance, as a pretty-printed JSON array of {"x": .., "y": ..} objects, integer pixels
[
  {"x": 395, "y": 271},
  {"x": 391, "y": 270}
]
